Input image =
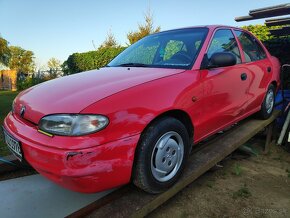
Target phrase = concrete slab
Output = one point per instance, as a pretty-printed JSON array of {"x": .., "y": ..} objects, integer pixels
[{"x": 35, "y": 196}]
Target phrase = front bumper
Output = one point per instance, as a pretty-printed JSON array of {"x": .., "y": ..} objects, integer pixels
[{"x": 88, "y": 170}]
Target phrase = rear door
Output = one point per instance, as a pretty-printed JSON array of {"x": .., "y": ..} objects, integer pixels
[
  {"x": 225, "y": 88},
  {"x": 258, "y": 68}
]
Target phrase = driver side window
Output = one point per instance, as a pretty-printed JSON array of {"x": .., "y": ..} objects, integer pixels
[{"x": 224, "y": 41}]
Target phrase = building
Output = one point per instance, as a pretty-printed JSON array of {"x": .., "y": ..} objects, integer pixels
[{"x": 8, "y": 80}]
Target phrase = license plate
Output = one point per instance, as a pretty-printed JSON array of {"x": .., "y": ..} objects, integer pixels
[{"x": 13, "y": 144}]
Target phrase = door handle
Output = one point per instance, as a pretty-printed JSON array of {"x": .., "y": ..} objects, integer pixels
[
  {"x": 269, "y": 69},
  {"x": 244, "y": 76}
]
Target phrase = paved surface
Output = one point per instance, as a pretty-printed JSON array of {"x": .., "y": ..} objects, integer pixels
[{"x": 35, "y": 196}]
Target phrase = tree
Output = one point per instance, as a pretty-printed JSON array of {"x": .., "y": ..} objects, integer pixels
[
  {"x": 54, "y": 66},
  {"x": 21, "y": 60},
  {"x": 260, "y": 31},
  {"x": 4, "y": 52},
  {"x": 143, "y": 29},
  {"x": 110, "y": 41}
]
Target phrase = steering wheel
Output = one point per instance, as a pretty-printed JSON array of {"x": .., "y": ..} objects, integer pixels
[{"x": 182, "y": 56}]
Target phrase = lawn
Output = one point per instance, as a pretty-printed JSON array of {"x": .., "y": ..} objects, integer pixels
[{"x": 6, "y": 99}]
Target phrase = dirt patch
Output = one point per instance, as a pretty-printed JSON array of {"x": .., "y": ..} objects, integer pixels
[{"x": 252, "y": 187}]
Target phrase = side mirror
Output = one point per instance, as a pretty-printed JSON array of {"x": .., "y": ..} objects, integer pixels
[{"x": 219, "y": 59}]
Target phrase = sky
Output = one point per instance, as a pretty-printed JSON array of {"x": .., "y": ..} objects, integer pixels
[{"x": 58, "y": 28}]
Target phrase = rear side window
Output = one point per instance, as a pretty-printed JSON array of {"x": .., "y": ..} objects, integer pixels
[
  {"x": 224, "y": 41},
  {"x": 253, "y": 51}
]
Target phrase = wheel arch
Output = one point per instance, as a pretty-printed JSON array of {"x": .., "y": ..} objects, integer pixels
[{"x": 178, "y": 114}]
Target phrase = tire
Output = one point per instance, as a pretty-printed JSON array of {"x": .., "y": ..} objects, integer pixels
[
  {"x": 161, "y": 155},
  {"x": 268, "y": 103}
]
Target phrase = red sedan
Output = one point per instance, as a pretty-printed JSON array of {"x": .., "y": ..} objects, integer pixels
[{"x": 137, "y": 118}]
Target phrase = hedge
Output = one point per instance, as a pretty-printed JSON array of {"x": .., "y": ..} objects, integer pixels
[{"x": 79, "y": 62}]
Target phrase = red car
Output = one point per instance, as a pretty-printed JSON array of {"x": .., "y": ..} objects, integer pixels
[{"x": 137, "y": 118}]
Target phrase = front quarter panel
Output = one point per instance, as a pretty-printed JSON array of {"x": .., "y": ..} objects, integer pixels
[{"x": 130, "y": 111}]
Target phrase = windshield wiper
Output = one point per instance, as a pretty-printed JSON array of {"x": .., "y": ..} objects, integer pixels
[{"x": 132, "y": 65}]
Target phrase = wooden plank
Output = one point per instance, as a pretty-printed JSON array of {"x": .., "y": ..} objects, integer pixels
[
  {"x": 4, "y": 167},
  {"x": 273, "y": 11},
  {"x": 276, "y": 10},
  {"x": 136, "y": 203},
  {"x": 277, "y": 22},
  {"x": 244, "y": 18},
  {"x": 269, "y": 138},
  {"x": 100, "y": 203},
  {"x": 281, "y": 32}
]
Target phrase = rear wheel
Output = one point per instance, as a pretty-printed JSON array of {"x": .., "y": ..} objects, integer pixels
[
  {"x": 161, "y": 155},
  {"x": 268, "y": 103}
]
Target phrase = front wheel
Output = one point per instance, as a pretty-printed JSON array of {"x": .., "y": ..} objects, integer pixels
[
  {"x": 268, "y": 103},
  {"x": 161, "y": 155}
]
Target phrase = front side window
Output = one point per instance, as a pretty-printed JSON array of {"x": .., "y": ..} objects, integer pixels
[
  {"x": 224, "y": 41},
  {"x": 251, "y": 48},
  {"x": 172, "y": 49}
]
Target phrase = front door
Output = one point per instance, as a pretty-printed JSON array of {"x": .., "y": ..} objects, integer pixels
[{"x": 224, "y": 88}]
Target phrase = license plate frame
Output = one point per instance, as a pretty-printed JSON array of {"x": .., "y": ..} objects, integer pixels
[{"x": 13, "y": 144}]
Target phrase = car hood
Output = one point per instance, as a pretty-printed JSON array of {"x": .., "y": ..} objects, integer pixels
[{"x": 72, "y": 94}]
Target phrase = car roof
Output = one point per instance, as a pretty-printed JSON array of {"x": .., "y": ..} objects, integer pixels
[{"x": 211, "y": 27}]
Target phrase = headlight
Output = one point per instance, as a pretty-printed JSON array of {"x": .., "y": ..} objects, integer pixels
[{"x": 72, "y": 125}]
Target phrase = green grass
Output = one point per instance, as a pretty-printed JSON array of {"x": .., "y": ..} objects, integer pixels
[
  {"x": 243, "y": 192},
  {"x": 6, "y": 99},
  {"x": 210, "y": 184},
  {"x": 237, "y": 170}
]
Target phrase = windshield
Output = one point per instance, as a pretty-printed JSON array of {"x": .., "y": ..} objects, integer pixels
[{"x": 171, "y": 49}]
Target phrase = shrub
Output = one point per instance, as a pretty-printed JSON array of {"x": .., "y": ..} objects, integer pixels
[
  {"x": 79, "y": 62},
  {"x": 26, "y": 82}
]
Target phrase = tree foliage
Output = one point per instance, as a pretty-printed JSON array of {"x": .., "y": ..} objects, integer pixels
[
  {"x": 277, "y": 46},
  {"x": 54, "y": 66},
  {"x": 4, "y": 52},
  {"x": 110, "y": 41},
  {"x": 143, "y": 29},
  {"x": 79, "y": 62},
  {"x": 25, "y": 83},
  {"x": 21, "y": 60},
  {"x": 260, "y": 31}
]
